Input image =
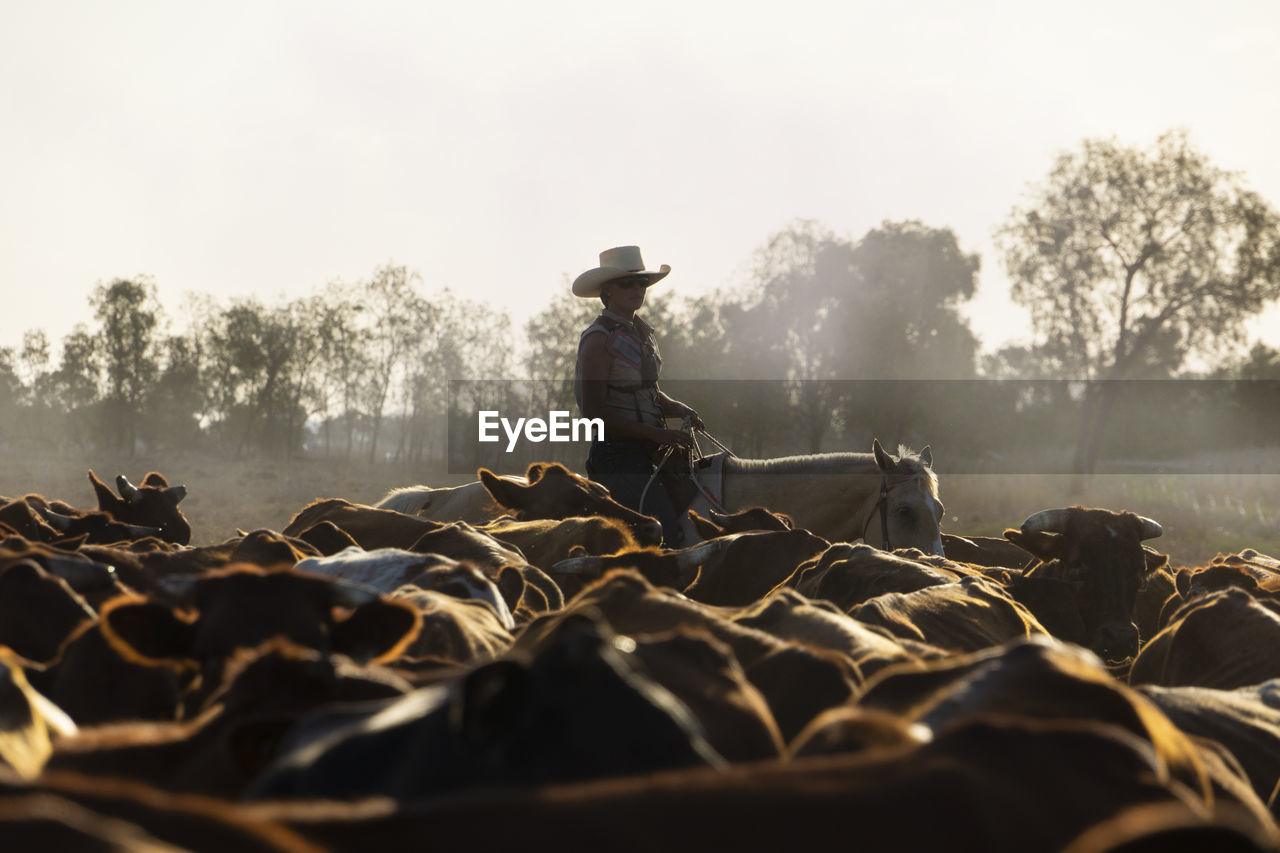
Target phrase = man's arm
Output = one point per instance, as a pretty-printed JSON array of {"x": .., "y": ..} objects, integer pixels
[{"x": 673, "y": 408}]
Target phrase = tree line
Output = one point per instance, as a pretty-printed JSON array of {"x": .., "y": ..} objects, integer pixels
[{"x": 1134, "y": 264}]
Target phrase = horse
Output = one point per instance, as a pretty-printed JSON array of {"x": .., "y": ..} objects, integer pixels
[
  {"x": 890, "y": 501},
  {"x": 833, "y": 495}
]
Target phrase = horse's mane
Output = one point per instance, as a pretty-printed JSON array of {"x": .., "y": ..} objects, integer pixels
[{"x": 909, "y": 462}]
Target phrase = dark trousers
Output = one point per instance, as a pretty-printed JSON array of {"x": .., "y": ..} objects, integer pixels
[{"x": 624, "y": 469}]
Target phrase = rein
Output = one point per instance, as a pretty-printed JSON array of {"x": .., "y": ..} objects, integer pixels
[
  {"x": 882, "y": 505},
  {"x": 687, "y": 426}
]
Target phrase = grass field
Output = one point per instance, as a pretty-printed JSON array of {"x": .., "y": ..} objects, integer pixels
[{"x": 1202, "y": 514}]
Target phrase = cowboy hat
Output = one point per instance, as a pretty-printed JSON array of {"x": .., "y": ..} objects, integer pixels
[{"x": 618, "y": 262}]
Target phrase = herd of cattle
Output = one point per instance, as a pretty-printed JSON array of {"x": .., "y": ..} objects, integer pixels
[{"x": 368, "y": 679}]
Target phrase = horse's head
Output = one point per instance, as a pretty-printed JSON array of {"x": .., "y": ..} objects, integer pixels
[{"x": 912, "y": 510}]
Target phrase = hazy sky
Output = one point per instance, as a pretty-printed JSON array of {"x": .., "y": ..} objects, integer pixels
[{"x": 264, "y": 148}]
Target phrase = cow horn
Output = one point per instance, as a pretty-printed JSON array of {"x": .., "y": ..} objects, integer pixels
[
  {"x": 176, "y": 493},
  {"x": 179, "y": 585},
  {"x": 695, "y": 555},
  {"x": 63, "y": 522},
  {"x": 1151, "y": 528},
  {"x": 138, "y": 531},
  {"x": 128, "y": 490},
  {"x": 1046, "y": 520},
  {"x": 576, "y": 565}
]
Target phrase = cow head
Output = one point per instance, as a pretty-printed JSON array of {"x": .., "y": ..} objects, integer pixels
[
  {"x": 747, "y": 520},
  {"x": 1099, "y": 554},
  {"x": 153, "y": 504},
  {"x": 242, "y": 606},
  {"x": 556, "y": 492}
]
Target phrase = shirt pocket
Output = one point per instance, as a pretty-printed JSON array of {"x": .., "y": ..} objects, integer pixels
[{"x": 623, "y": 346}]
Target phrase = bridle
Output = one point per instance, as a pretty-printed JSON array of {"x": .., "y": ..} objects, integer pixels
[{"x": 887, "y": 484}]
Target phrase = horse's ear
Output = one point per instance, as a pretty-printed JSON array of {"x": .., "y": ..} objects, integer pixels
[
  {"x": 883, "y": 460},
  {"x": 926, "y": 456}
]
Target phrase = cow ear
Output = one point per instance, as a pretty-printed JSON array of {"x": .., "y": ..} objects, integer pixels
[
  {"x": 533, "y": 599},
  {"x": 1040, "y": 544},
  {"x": 1182, "y": 582},
  {"x": 510, "y": 585},
  {"x": 156, "y": 479},
  {"x": 706, "y": 529},
  {"x": 148, "y": 632},
  {"x": 490, "y": 703},
  {"x": 108, "y": 501},
  {"x": 327, "y": 538},
  {"x": 376, "y": 632},
  {"x": 503, "y": 491},
  {"x": 535, "y": 472}
]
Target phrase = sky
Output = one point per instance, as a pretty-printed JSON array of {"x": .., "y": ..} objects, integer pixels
[{"x": 264, "y": 149}]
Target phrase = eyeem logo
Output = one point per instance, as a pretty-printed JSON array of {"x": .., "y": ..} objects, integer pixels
[{"x": 559, "y": 428}]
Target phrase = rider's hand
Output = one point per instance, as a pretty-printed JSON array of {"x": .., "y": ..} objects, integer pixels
[
  {"x": 695, "y": 419},
  {"x": 679, "y": 438}
]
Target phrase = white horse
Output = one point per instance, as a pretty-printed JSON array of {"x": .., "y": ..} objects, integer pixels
[
  {"x": 838, "y": 496},
  {"x": 890, "y": 501}
]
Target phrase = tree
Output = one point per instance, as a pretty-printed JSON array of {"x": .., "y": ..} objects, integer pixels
[
  {"x": 397, "y": 319},
  {"x": 127, "y": 313},
  {"x": 1132, "y": 261},
  {"x": 74, "y": 385},
  {"x": 826, "y": 310},
  {"x": 180, "y": 393}
]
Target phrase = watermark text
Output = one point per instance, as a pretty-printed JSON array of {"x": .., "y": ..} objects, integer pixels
[{"x": 558, "y": 427}]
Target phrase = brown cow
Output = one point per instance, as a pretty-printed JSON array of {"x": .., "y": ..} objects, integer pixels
[
  {"x": 788, "y": 615},
  {"x": 730, "y": 571},
  {"x": 1044, "y": 679},
  {"x": 965, "y": 616},
  {"x": 1223, "y": 639},
  {"x": 221, "y": 750},
  {"x": 1246, "y": 721},
  {"x": 153, "y": 504},
  {"x": 370, "y": 527},
  {"x": 460, "y": 630},
  {"x": 243, "y": 605},
  {"x": 1098, "y": 554},
  {"x": 798, "y": 681},
  {"x": 979, "y": 787},
  {"x": 848, "y": 575},
  {"x": 545, "y": 542},
  {"x": 553, "y": 491},
  {"x": 985, "y": 551},
  {"x": 755, "y": 518},
  {"x": 38, "y": 611},
  {"x": 577, "y": 708}
]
